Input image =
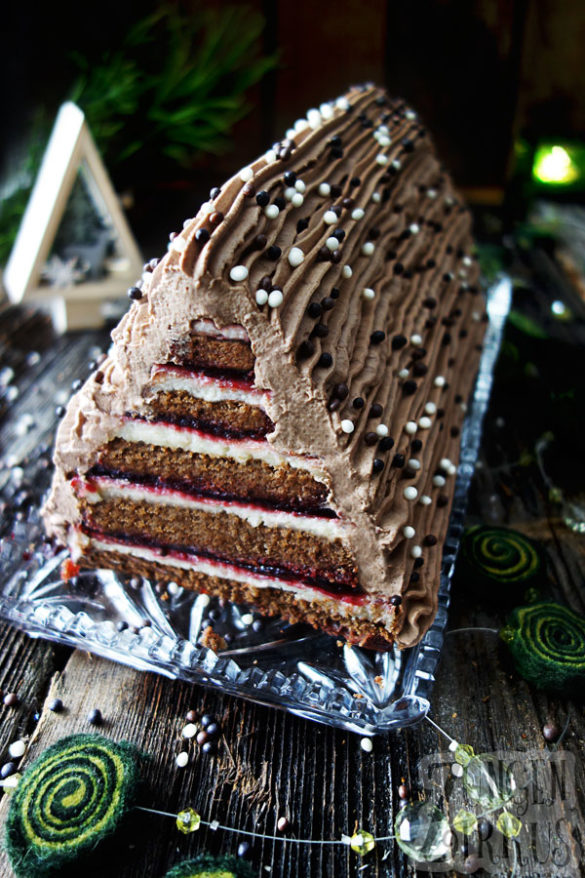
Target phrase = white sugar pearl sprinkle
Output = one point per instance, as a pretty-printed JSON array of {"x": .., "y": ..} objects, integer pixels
[
  {"x": 368, "y": 248},
  {"x": 411, "y": 427},
  {"x": 413, "y": 463},
  {"x": 239, "y": 273},
  {"x": 439, "y": 381},
  {"x": 270, "y": 156},
  {"x": 376, "y": 197},
  {"x": 347, "y": 426},
  {"x": 382, "y": 430},
  {"x": 415, "y": 552},
  {"x": 369, "y": 293},
  {"x": 295, "y": 256},
  {"x": 438, "y": 481},
  {"x": 300, "y": 125},
  {"x": 410, "y": 115},
  {"x": 246, "y": 175},
  {"x": 247, "y": 618},
  {"x": 275, "y": 299},
  {"x": 189, "y": 731},
  {"x": 300, "y": 186},
  {"x": 414, "y": 228},
  {"x": 324, "y": 189},
  {"x": 408, "y": 531},
  {"x": 271, "y": 211},
  {"x": 382, "y": 159},
  {"x": 467, "y": 260},
  {"x": 332, "y": 244},
  {"x": 430, "y": 408},
  {"x": 261, "y": 297},
  {"x": 451, "y": 470},
  {"x": 326, "y": 110},
  {"x": 366, "y": 745},
  {"x": 410, "y": 493},
  {"x": 431, "y": 193},
  {"x": 297, "y": 200},
  {"x": 346, "y": 271},
  {"x": 425, "y": 500},
  {"x": 358, "y": 213},
  {"x": 416, "y": 340},
  {"x": 445, "y": 463},
  {"x": 17, "y": 749},
  {"x": 178, "y": 244},
  {"x": 424, "y": 423},
  {"x": 396, "y": 164},
  {"x": 403, "y": 373},
  {"x": 342, "y": 104},
  {"x": 330, "y": 217},
  {"x": 289, "y": 192},
  {"x": 182, "y": 759}
]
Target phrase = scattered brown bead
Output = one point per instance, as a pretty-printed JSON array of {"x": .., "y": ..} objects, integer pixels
[
  {"x": 551, "y": 731},
  {"x": 11, "y": 699},
  {"x": 202, "y": 737},
  {"x": 403, "y": 791},
  {"x": 248, "y": 190},
  {"x": 191, "y": 716},
  {"x": 216, "y": 217},
  {"x": 282, "y": 824}
]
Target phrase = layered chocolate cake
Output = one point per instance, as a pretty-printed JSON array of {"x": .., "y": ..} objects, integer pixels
[{"x": 278, "y": 420}]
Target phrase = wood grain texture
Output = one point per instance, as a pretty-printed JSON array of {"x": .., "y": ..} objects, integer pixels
[{"x": 269, "y": 763}]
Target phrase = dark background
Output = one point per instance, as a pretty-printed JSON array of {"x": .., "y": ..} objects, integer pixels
[{"x": 480, "y": 72}]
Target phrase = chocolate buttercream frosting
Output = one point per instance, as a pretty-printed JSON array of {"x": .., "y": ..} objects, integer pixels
[{"x": 344, "y": 255}]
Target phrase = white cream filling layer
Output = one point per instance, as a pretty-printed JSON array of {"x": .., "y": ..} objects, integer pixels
[
  {"x": 104, "y": 488},
  {"x": 208, "y": 327},
  {"x": 206, "y": 388},
  {"x": 240, "y": 450},
  {"x": 369, "y": 608}
]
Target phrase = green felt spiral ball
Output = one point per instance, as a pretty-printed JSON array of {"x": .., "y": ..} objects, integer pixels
[
  {"x": 547, "y": 642},
  {"x": 501, "y": 556},
  {"x": 68, "y": 800},
  {"x": 207, "y": 866}
]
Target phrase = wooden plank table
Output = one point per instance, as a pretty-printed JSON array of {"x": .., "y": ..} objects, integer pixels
[{"x": 271, "y": 764}]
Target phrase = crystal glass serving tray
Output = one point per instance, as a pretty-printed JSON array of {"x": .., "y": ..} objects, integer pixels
[{"x": 292, "y": 667}]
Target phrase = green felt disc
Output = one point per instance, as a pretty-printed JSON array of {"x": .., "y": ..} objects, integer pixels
[
  {"x": 67, "y": 801},
  {"x": 500, "y": 556},
  {"x": 205, "y": 865},
  {"x": 547, "y": 642}
]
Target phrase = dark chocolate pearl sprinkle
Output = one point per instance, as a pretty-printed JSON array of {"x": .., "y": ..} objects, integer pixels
[
  {"x": 398, "y": 268},
  {"x": 551, "y": 731},
  {"x": 260, "y": 242},
  {"x": 416, "y": 445},
  {"x": 446, "y": 340},
  {"x": 7, "y": 769},
  {"x": 56, "y": 705},
  {"x": 279, "y": 202},
  {"x": 355, "y": 181},
  {"x": 266, "y": 283},
  {"x": 336, "y": 152},
  {"x": 321, "y": 330},
  {"x": 290, "y": 178},
  {"x": 430, "y": 303},
  {"x": 339, "y": 234},
  {"x": 440, "y": 414},
  {"x": 419, "y": 369},
  {"x": 396, "y": 600},
  {"x": 373, "y": 234},
  {"x": 442, "y": 500},
  {"x": 398, "y": 342},
  {"x": 77, "y": 384},
  {"x": 273, "y": 252},
  {"x": 375, "y": 410},
  {"x": 262, "y": 198},
  {"x": 448, "y": 277},
  {"x": 325, "y": 360},
  {"x": 248, "y": 190},
  {"x": 390, "y": 254},
  {"x": 302, "y": 225},
  {"x": 386, "y": 443},
  {"x": 134, "y": 293},
  {"x": 430, "y": 540},
  {"x": 377, "y": 337},
  {"x": 324, "y": 254},
  {"x": 341, "y": 390},
  {"x": 419, "y": 353},
  {"x": 371, "y": 438},
  {"x": 327, "y": 303},
  {"x": 377, "y": 465},
  {"x": 334, "y": 404},
  {"x": 409, "y": 387},
  {"x": 216, "y": 217},
  {"x": 407, "y": 145},
  {"x": 202, "y": 236},
  {"x": 94, "y": 717},
  {"x": 358, "y": 402},
  {"x": 336, "y": 257},
  {"x": 334, "y": 141},
  {"x": 419, "y": 562},
  {"x": 60, "y": 411},
  {"x": 306, "y": 349},
  {"x": 214, "y": 192},
  {"x": 347, "y": 203},
  {"x": 398, "y": 461},
  {"x": 335, "y": 192},
  {"x": 334, "y": 294},
  {"x": 314, "y": 310}
]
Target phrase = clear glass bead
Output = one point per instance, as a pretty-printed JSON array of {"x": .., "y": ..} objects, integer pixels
[
  {"x": 362, "y": 842},
  {"x": 422, "y": 832},
  {"x": 188, "y": 821},
  {"x": 488, "y": 781},
  {"x": 465, "y": 821},
  {"x": 464, "y": 753},
  {"x": 508, "y": 824}
]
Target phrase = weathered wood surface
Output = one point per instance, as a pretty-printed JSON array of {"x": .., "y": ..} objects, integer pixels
[{"x": 270, "y": 763}]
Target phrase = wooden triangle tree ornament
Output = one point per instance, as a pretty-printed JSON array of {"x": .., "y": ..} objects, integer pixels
[{"x": 71, "y": 152}]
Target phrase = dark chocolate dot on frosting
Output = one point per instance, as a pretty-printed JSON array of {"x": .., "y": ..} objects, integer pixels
[
  {"x": 273, "y": 252},
  {"x": 409, "y": 387},
  {"x": 325, "y": 360},
  {"x": 358, "y": 403},
  {"x": 378, "y": 465},
  {"x": 321, "y": 330},
  {"x": 262, "y": 198},
  {"x": 371, "y": 438},
  {"x": 378, "y": 336},
  {"x": 306, "y": 349},
  {"x": 290, "y": 178},
  {"x": 375, "y": 410},
  {"x": 202, "y": 236},
  {"x": 398, "y": 342},
  {"x": 386, "y": 443},
  {"x": 398, "y": 460},
  {"x": 314, "y": 310}
]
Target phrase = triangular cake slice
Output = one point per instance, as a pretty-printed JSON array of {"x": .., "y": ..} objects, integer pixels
[{"x": 278, "y": 420}]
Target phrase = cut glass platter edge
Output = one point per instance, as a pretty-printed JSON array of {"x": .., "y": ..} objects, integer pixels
[{"x": 291, "y": 667}]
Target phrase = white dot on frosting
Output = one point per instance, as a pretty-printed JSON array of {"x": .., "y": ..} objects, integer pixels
[
  {"x": 270, "y": 156},
  {"x": 261, "y": 297},
  {"x": 290, "y": 133},
  {"x": 330, "y": 217},
  {"x": 342, "y": 104},
  {"x": 246, "y": 175},
  {"x": 414, "y": 228},
  {"x": 346, "y": 271},
  {"x": 239, "y": 273},
  {"x": 376, "y": 197},
  {"x": 369, "y": 293},
  {"x": 271, "y": 211},
  {"x": 403, "y": 373},
  {"x": 411, "y": 427},
  {"x": 424, "y": 423},
  {"x": 358, "y": 213},
  {"x": 275, "y": 299},
  {"x": 368, "y": 248},
  {"x": 324, "y": 189},
  {"x": 383, "y": 140},
  {"x": 467, "y": 260},
  {"x": 295, "y": 256},
  {"x": 206, "y": 208},
  {"x": 439, "y": 381},
  {"x": 396, "y": 164},
  {"x": 382, "y": 159},
  {"x": 416, "y": 551},
  {"x": 413, "y": 463},
  {"x": 408, "y": 531},
  {"x": 332, "y": 243},
  {"x": 425, "y": 500},
  {"x": 178, "y": 244},
  {"x": 314, "y": 119},
  {"x": 430, "y": 408},
  {"x": 347, "y": 426},
  {"x": 326, "y": 110},
  {"x": 445, "y": 463},
  {"x": 289, "y": 192},
  {"x": 300, "y": 186},
  {"x": 431, "y": 193},
  {"x": 297, "y": 199},
  {"x": 382, "y": 430},
  {"x": 410, "y": 115},
  {"x": 410, "y": 493},
  {"x": 300, "y": 125},
  {"x": 438, "y": 481},
  {"x": 416, "y": 340}
]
